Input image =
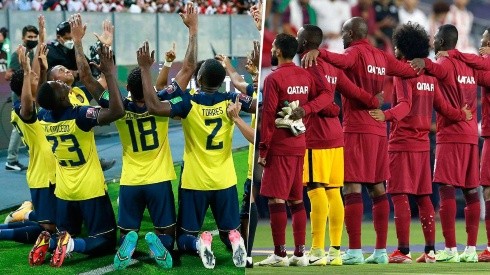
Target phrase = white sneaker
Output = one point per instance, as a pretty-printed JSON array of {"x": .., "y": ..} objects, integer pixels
[
  {"x": 274, "y": 260},
  {"x": 205, "y": 251},
  {"x": 298, "y": 261},
  {"x": 238, "y": 247}
]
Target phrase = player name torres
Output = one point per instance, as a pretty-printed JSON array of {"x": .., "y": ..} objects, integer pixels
[
  {"x": 63, "y": 128},
  {"x": 212, "y": 111}
]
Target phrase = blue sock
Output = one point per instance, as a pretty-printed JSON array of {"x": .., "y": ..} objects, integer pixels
[
  {"x": 14, "y": 225},
  {"x": 79, "y": 245},
  {"x": 167, "y": 241},
  {"x": 52, "y": 242},
  {"x": 6, "y": 234},
  {"x": 32, "y": 216},
  {"x": 27, "y": 234},
  {"x": 187, "y": 243}
]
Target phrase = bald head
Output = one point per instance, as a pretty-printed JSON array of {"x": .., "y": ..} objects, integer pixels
[
  {"x": 354, "y": 29},
  {"x": 445, "y": 38}
]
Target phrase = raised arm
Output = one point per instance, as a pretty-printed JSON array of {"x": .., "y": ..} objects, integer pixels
[
  {"x": 43, "y": 62},
  {"x": 162, "y": 78},
  {"x": 41, "y": 40},
  {"x": 78, "y": 31},
  {"x": 190, "y": 20},
  {"x": 233, "y": 112},
  {"x": 237, "y": 80},
  {"x": 256, "y": 12},
  {"x": 116, "y": 108},
  {"x": 26, "y": 98}
]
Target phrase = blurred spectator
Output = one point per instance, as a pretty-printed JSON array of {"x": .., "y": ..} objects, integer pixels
[
  {"x": 437, "y": 18},
  {"x": 386, "y": 16},
  {"x": 4, "y": 49},
  {"x": 76, "y": 6},
  {"x": 365, "y": 9},
  {"x": 331, "y": 15},
  {"x": 37, "y": 5},
  {"x": 410, "y": 12},
  {"x": 24, "y": 5},
  {"x": 297, "y": 14},
  {"x": 462, "y": 18}
]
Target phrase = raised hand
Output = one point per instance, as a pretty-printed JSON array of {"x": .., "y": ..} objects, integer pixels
[
  {"x": 107, "y": 35},
  {"x": 310, "y": 58},
  {"x": 484, "y": 50},
  {"x": 190, "y": 16},
  {"x": 106, "y": 60},
  {"x": 467, "y": 112},
  {"x": 256, "y": 53},
  {"x": 256, "y": 11},
  {"x": 42, "y": 29},
  {"x": 442, "y": 53},
  {"x": 144, "y": 56},
  {"x": 24, "y": 59},
  {"x": 223, "y": 59},
  {"x": 233, "y": 110},
  {"x": 170, "y": 54},
  {"x": 43, "y": 56},
  {"x": 77, "y": 27},
  {"x": 378, "y": 115}
]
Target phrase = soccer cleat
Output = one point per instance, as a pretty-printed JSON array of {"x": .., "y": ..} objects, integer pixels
[
  {"x": 205, "y": 251},
  {"x": 274, "y": 261},
  {"x": 60, "y": 252},
  {"x": 380, "y": 258},
  {"x": 398, "y": 257},
  {"x": 316, "y": 257},
  {"x": 238, "y": 247},
  {"x": 427, "y": 258},
  {"x": 159, "y": 252},
  {"x": 298, "y": 261},
  {"x": 125, "y": 251},
  {"x": 484, "y": 256},
  {"x": 19, "y": 214},
  {"x": 15, "y": 166},
  {"x": 445, "y": 256},
  {"x": 37, "y": 255},
  {"x": 250, "y": 262},
  {"x": 468, "y": 257},
  {"x": 333, "y": 257},
  {"x": 351, "y": 258}
]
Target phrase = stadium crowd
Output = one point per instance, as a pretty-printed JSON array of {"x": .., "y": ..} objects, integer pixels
[{"x": 132, "y": 6}]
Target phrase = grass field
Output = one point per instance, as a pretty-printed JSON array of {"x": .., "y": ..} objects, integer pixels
[
  {"x": 13, "y": 256},
  {"x": 263, "y": 243}
]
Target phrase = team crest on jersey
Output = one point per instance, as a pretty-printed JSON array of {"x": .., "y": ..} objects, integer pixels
[
  {"x": 92, "y": 113},
  {"x": 80, "y": 98},
  {"x": 244, "y": 98},
  {"x": 171, "y": 88}
]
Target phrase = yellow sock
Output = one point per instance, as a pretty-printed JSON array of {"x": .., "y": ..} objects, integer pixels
[
  {"x": 318, "y": 217},
  {"x": 335, "y": 215}
]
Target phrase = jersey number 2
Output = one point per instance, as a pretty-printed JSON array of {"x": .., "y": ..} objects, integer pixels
[
  {"x": 209, "y": 141},
  {"x": 143, "y": 134}
]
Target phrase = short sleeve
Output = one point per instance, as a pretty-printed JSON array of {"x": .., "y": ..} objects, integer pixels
[
  {"x": 171, "y": 91},
  {"x": 250, "y": 90},
  {"x": 181, "y": 105},
  {"x": 87, "y": 117},
  {"x": 30, "y": 120},
  {"x": 245, "y": 100}
]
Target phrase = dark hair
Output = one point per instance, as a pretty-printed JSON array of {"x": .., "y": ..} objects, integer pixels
[
  {"x": 440, "y": 7},
  {"x": 46, "y": 97},
  {"x": 29, "y": 28},
  {"x": 213, "y": 74},
  {"x": 17, "y": 81},
  {"x": 450, "y": 35},
  {"x": 287, "y": 44},
  {"x": 198, "y": 66},
  {"x": 4, "y": 31},
  {"x": 315, "y": 35},
  {"x": 62, "y": 28},
  {"x": 412, "y": 40},
  {"x": 135, "y": 84},
  {"x": 50, "y": 74}
]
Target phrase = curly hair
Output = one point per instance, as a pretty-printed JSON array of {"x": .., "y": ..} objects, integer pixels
[
  {"x": 411, "y": 40},
  {"x": 17, "y": 81}
]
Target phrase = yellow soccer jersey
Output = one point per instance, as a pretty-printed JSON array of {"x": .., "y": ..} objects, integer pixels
[
  {"x": 78, "y": 172},
  {"x": 146, "y": 152},
  {"x": 77, "y": 97},
  {"x": 208, "y": 136},
  {"x": 40, "y": 172}
]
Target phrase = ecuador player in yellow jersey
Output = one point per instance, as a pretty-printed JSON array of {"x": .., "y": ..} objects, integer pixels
[
  {"x": 80, "y": 188},
  {"x": 209, "y": 177},
  {"x": 147, "y": 163},
  {"x": 40, "y": 176}
]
